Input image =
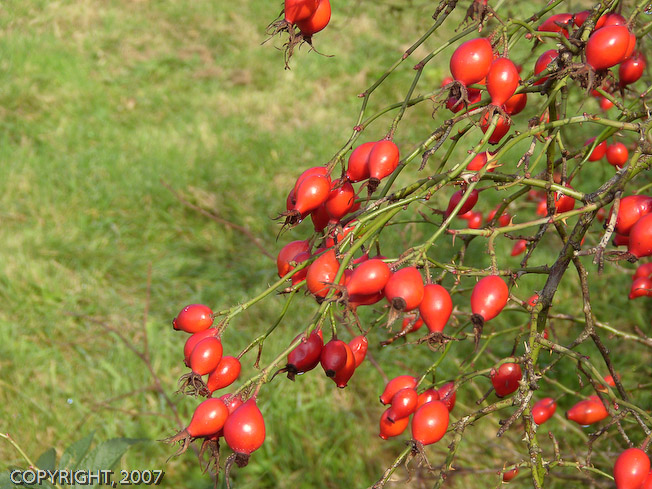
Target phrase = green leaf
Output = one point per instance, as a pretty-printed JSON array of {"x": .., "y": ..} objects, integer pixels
[
  {"x": 48, "y": 460},
  {"x": 105, "y": 455},
  {"x": 5, "y": 481},
  {"x": 76, "y": 452}
]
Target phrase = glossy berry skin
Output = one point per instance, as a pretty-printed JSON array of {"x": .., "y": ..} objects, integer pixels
[
  {"x": 640, "y": 237},
  {"x": 608, "y": 46},
  {"x": 506, "y": 378},
  {"x": 383, "y": 159},
  {"x": 359, "y": 346},
  {"x": 543, "y": 410},
  {"x": 502, "y": 80},
  {"x": 404, "y": 403},
  {"x": 244, "y": 430},
  {"x": 471, "y": 61},
  {"x": 564, "y": 203},
  {"x": 317, "y": 21},
  {"x": 430, "y": 422},
  {"x": 502, "y": 127},
  {"x": 427, "y": 396},
  {"x": 358, "y": 167},
  {"x": 436, "y": 307},
  {"x": 306, "y": 354},
  {"x": 340, "y": 199},
  {"x": 295, "y": 10},
  {"x": 395, "y": 385},
  {"x": 516, "y": 103},
  {"x": 489, "y": 297},
  {"x": 225, "y": 374},
  {"x": 287, "y": 255},
  {"x": 630, "y": 210},
  {"x": 519, "y": 247},
  {"x": 617, "y": 154},
  {"x": 647, "y": 483},
  {"x": 344, "y": 374},
  {"x": 510, "y": 474},
  {"x": 206, "y": 356},
  {"x": 322, "y": 272},
  {"x": 413, "y": 322},
  {"x": 478, "y": 162},
  {"x": 312, "y": 171},
  {"x": 474, "y": 219},
  {"x": 641, "y": 287},
  {"x": 557, "y": 23},
  {"x": 631, "y": 69},
  {"x": 448, "y": 395},
  {"x": 470, "y": 202},
  {"x": 404, "y": 289},
  {"x": 192, "y": 341},
  {"x": 209, "y": 418},
  {"x": 542, "y": 63},
  {"x": 193, "y": 318},
  {"x": 389, "y": 429},
  {"x": 643, "y": 270},
  {"x": 369, "y": 277},
  {"x": 333, "y": 356},
  {"x": 582, "y": 16},
  {"x": 311, "y": 193},
  {"x": 631, "y": 469},
  {"x": 588, "y": 411},
  {"x": 599, "y": 151}
]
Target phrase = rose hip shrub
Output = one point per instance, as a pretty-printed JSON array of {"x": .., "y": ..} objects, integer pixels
[{"x": 539, "y": 142}]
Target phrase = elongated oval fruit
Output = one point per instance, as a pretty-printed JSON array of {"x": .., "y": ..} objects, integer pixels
[
  {"x": 404, "y": 289},
  {"x": 287, "y": 254},
  {"x": 502, "y": 80},
  {"x": 427, "y": 396},
  {"x": 311, "y": 193},
  {"x": 296, "y": 10},
  {"x": 641, "y": 287},
  {"x": 192, "y": 341},
  {"x": 643, "y": 270},
  {"x": 369, "y": 277},
  {"x": 506, "y": 378},
  {"x": 430, "y": 422},
  {"x": 448, "y": 395},
  {"x": 630, "y": 210},
  {"x": 489, "y": 297},
  {"x": 395, "y": 385},
  {"x": 317, "y": 21},
  {"x": 209, "y": 418},
  {"x": 468, "y": 204},
  {"x": 193, "y": 318},
  {"x": 226, "y": 372},
  {"x": 631, "y": 469},
  {"x": 542, "y": 63},
  {"x": 344, "y": 374},
  {"x": 359, "y": 346},
  {"x": 404, "y": 403},
  {"x": 436, "y": 307},
  {"x": 608, "y": 46},
  {"x": 543, "y": 410},
  {"x": 358, "y": 168},
  {"x": 640, "y": 237},
  {"x": 588, "y": 411},
  {"x": 305, "y": 355},
  {"x": 206, "y": 356},
  {"x": 389, "y": 429},
  {"x": 383, "y": 159},
  {"x": 321, "y": 273},
  {"x": 340, "y": 199},
  {"x": 471, "y": 61},
  {"x": 631, "y": 69},
  {"x": 502, "y": 127},
  {"x": 333, "y": 356},
  {"x": 244, "y": 430}
]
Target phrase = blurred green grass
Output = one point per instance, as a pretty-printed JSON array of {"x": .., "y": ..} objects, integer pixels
[{"x": 101, "y": 102}]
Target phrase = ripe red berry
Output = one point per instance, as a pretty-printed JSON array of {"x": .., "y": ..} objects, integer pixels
[
  {"x": 333, "y": 356},
  {"x": 244, "y": 430},
  {"x": 206, "y": 356},
  {"x": 430, "y": 422},
  {"x": 193, "y": 318},
  {"x": 344, "y": 374},
  {"x": 502, "y": 80},
  {"x": 321, "y": 273},
  {"x": 640, "y": 237},
  {"x": 471, "y": 61},
  {"x": 489, "y": 297},
  {"x": 389, "y": 428},
  {"x": 305, "y": 355},
  {"x": 588, "y": 411},
  {"x": 358, "y": 167},
  {"x": 631, "y": 469},
  {"x": 383, "y": 160},
  {"x": 209, "y": 418},
  {"x": 368, "y": 278},
  {"x": 543, "y": 410},
  {"x": 404, "y": 289},
  {"x": 404, "y": 403},
  {"x": 226, "y": 372},
  {"x": 510, "y": 474},
  {"x": 427, "y": 396},
  {"x": 436, "y": 307},
  {"x": 395, "y": 385},
  {"x": 466, "y": 207},
  {"x": 506, "y": 378},
  {"x": 359, "y": 346},
  {"x": 288, "y": 254},
  {"x": 617, "y": 154},
  {"x": 192, "y": 341}
]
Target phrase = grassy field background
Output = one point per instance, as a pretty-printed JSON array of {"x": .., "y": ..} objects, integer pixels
[{"x": 104, "y": 103}]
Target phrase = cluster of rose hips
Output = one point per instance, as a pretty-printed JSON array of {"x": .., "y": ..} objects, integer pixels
[{"x": 239, "y": 422}]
